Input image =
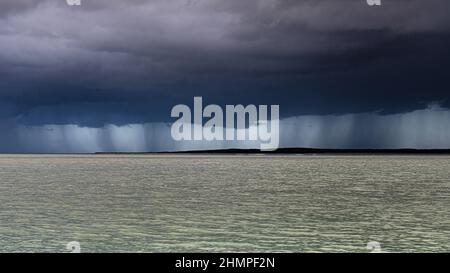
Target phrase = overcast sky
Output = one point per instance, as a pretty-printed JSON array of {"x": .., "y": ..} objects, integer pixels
[{"x": 123, "y": 64}]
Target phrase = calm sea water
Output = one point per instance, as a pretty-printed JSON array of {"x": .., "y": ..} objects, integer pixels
[{"x": 224, "y": 203}]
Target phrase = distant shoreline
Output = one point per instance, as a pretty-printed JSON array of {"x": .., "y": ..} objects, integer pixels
[
  {"x": 306, "y": 151},
  {"x": 281, "y": 151}
]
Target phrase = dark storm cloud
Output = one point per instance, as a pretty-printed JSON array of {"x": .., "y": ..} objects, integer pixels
[{"x": 120, "y": 62}]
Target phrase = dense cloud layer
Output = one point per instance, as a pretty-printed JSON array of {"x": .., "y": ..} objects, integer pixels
[{"x": 119, "y": 62}]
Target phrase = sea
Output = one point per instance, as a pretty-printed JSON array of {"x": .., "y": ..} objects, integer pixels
[{"x": 224, "y": 203}]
